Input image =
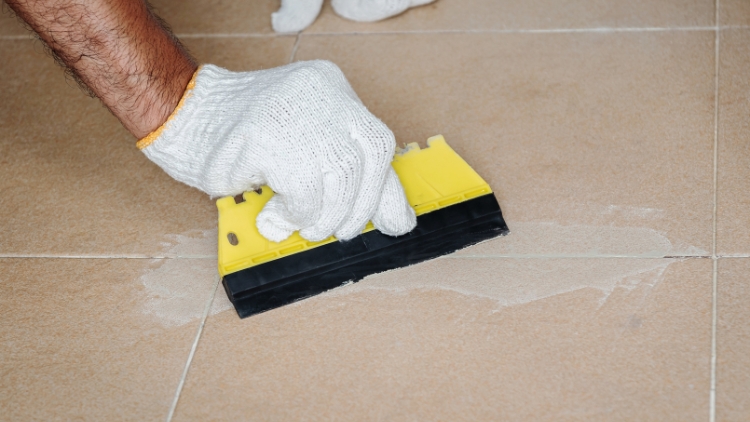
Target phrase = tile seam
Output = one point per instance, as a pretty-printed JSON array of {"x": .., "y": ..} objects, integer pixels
[
  {"x": 193, "y": 348},
  {"x": 456, "y": 31},
  {"x": 491, "y": 256},
  {"x": 294, "y": 49},
  {"x": 498, "y": 256},
  {"x": 17, "y": 37},
  {"x": 723, "y": 27},
  {"x": 438, "y": 31},
  {"x": 522, "y": 31},
  {"x": 714, "y": 319},
  {"x": 714, "y": 257},
  {"x": 574, "y": 256},
  {"x": 232, "y": 35}
]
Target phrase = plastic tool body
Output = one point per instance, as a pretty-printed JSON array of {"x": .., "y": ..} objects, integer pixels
[{"x": 455, "y": 209}]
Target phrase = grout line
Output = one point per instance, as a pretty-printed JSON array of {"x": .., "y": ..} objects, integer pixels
[
  {"x": 294, "y": 49},
  {"x": 17, "y": 37},
  {"x": 490, "y": 256},
  {"x": 714, "y": 257},
  {"x": 194, "y": 347},
  {"x": 524, "y": 31},
  {"x": 574, "y": 256},
  {"x": 714, "y": 323},
  {"x": 717, "y": 35},
  {"x": 232, "y": 35},
  {"x": 444, "y": 31}
]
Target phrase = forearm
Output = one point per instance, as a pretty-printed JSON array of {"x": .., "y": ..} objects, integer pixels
[{"x": 120, "y": 50}]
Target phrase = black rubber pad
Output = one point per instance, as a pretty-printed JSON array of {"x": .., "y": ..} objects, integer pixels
[{"x": 298, "y": 276}]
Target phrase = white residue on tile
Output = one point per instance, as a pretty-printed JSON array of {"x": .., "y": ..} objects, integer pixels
[
  {"x": 576, "y": 240},
  {"x": 536, "y": 264},
  {"x": 512, "y": 280},
  {"x": 521, "y": 281},
  {"x": 628, "y": 211},
  {"x": 195, "y": 243},
  {"x": 221, "y": 302},
  {"x": 176, "y": 290}
]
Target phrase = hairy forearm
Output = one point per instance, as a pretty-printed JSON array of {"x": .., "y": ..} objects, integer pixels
[{"x": 119, "y": 50}]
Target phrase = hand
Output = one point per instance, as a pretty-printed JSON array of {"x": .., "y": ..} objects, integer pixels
[{"x": 301, "y": 130}]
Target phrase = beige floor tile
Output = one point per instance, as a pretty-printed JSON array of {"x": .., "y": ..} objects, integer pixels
[
  {"x": 465, "y": 339},
  {"x": 217, "y": 16},
  {"x": 733, "y": 341},
  {"x": 97, "y": 339},
  {"x": 733, "y": 214},
  {"x": 594, "y": 143},
  {"x": 72, "y": 181},
  {"x": 241, "y": 54},
  {"x": 734, "y": 12},
  {"x": 536, "y": 14},
  {"x": 192, "y": 16},
  {"x": 9, "y": 25}
]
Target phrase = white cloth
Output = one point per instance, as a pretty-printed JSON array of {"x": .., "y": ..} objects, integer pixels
[
  {"x": 296, "y": 15},
  {"x": 300, "y": 129}
]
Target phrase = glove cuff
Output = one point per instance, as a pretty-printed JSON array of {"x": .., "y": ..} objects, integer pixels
[{"x": 151, "y": 137}]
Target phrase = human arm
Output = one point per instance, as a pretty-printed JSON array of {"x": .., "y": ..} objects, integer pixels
[
  {"x": 299, "y": 128},
  {"x": 119, "y": 51}
]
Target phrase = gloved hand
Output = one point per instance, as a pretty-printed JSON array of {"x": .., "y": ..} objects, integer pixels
[
  {"x": 296, "y": 15},
  {"x": 301, "y": 130}
]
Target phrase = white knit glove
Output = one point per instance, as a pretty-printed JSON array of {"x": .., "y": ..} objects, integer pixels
[
  {"x": 296, "y": 15},
  {"x": 301, "y": 130}
]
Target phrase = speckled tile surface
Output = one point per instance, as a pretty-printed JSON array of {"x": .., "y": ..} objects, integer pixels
[
  {"x": 97, "y": 339},
  {"x": 217, "y": 16},
  {"x": 734, "y": 13},
  {"x": 733, "y": 340},
  {"x": 465, "y": 339},
  {"x": 733, "y": 214},
  {"x": 9, "y": 25}
]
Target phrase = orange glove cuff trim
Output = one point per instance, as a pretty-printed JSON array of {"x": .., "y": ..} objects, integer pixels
[{"x": 151, "y": 137}]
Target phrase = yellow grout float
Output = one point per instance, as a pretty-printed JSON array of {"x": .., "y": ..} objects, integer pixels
[{"x": 455, "y": 208}]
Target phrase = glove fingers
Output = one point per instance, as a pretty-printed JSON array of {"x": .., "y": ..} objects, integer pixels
[
  {"x": 377, "y": 144},
  {"x": 394, "y": 216},
  {"x": 297, "y": 201},
  {"x": 369, "y": 10},
  {"x": 340, "y": 185},
  {"x": 273, "y": 221},
  {"x": 295, "y": 15}
]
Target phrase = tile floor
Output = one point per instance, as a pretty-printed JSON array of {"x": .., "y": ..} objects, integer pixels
[{"x": 618, "y": 147}]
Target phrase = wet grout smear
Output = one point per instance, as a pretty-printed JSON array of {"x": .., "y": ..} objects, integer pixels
[
  {"x": 176, "y": 290},
  {"x": 558, "y": 259},
  {"x": 195, "y": 243},
  {"x": 587, "y": 241},
  {"x": 514, "y": 282}
]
